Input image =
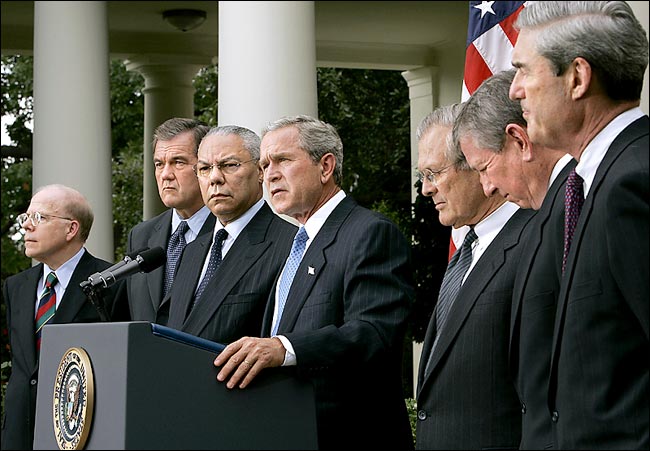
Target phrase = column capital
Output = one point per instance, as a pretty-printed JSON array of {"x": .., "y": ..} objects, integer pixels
[
  {"x": 421, "y": 81},
  {"x": 167, "y": 70}
]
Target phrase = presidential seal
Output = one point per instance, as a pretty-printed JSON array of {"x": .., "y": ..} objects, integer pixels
[{"x": 74, "y": 395}]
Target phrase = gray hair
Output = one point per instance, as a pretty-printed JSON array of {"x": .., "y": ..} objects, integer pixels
[
  {"x": 316, "y": 138},
  {"x": 445, "y": 116},
  {"x": 606, "y": 34},
  {"x": 487, "y": 113},
  {"x": 73, "y": 205},
  {"x": 177, "y": 125},
  {"x": 249, "y": 137}
]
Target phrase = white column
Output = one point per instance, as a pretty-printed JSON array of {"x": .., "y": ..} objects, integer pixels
[
  {"x": 267, "y": 62},
  {"x": 423, "y": 96},
  {"x": 168, "y": 92},
  {"x": 72, "y": 127}
]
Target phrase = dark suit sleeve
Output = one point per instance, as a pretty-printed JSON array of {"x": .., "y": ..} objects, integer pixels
[
  {"x": 363, "y": 301},
  {"x": 627, "y": 229}
]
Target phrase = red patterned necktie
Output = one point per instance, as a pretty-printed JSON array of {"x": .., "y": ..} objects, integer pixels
[
  {"x": 573, "y": 200},
  {"x": 46, "y": 306}
]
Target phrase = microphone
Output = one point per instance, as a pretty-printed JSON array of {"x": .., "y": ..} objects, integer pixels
[
  {"x": 144, "y": 261},
  {"x": 127, "y": 258}
]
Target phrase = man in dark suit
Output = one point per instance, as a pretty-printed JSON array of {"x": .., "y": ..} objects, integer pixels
[
  {"x": 253, "y": 251},
  {"x": 491, "y": 132},
  {"x": 175, "y": 143},
  {"x": 56, "y": 225},
  {"x": 465, "y": 397},
  {"x": 343, "y": 323},
  {"x": 580, "y": 92}
]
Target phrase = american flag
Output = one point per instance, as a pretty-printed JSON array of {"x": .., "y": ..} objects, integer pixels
[{"x": 490, "y": 39}]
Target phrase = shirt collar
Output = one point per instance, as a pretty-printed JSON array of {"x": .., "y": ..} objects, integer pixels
[
  {"x": 195, "y": 222},
  {"x": 64, "y": 272},
  {"x": 316, "y": 221},
  {"x": 559, "y": 165},
  {"x": 235, "y": 227},
  {"x": 595, "y": 151}
]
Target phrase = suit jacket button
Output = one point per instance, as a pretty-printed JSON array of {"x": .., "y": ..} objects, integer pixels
[
  {"x": 422, "y": 415},
  {"x": 33, "y": 382},
  {"x": 523, "y": 408},
  {"x": 555, "y": 416}
]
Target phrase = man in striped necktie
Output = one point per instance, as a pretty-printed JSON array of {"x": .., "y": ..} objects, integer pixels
[{"x": 56, "y": 226}]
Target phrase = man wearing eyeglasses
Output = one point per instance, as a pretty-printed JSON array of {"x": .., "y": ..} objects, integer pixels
[
  {"x": 224, "y": 278},
  {"x": 465, "y": 398},
  {"x": 337, "y": 311},
  {"x": 175, "y": 143},
  {"x": 56, "y": 227}
]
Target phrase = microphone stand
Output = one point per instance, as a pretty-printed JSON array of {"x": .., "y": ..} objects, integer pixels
[{"x": 93, "y": 294}]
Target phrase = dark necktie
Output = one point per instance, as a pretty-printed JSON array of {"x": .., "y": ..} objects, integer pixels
[
  {"x": 451, "y": 283},
  {"x": 573, "y": 199},
  {"x": 213, "y": 264},
  {"x": 289, "y": 271},
  {"x": 46, "y": 306},
  {"x": 175, "y": 248}
]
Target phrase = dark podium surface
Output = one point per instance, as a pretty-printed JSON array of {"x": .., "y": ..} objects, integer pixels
[{"x": 151, "y": 392}]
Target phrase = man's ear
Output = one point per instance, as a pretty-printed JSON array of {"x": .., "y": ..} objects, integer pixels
[
  {"x": 73, "y": 230},
  {"x": 327, "y": 165},
  {"x": 580, "y": 78},
  {"x": 519, "y": 136}
]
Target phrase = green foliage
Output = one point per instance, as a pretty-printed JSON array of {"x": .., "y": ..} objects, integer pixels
[
  {"x": 127, "y": 195},
  {"x": 16, "y": 193},
  {"x": 205, "y": 95},
  {"x": 127, "y": 132},
  {"x": 18, "y": 97},
  {"x": 412, "y": 408},
  {"x": 370, "y": 110},
  {"x": 127, "y": 108}
]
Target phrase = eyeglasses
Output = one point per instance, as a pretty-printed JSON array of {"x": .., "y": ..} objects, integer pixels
[
  {"x": 228, "y": 167},
  {"x": 36, "y": 218},
  {"x": 432, "y": 176}
]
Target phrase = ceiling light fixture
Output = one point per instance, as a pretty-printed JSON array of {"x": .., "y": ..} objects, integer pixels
[{"x": 184, "y": 19}]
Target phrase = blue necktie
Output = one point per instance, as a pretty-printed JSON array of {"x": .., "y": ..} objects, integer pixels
[
  {"x": 289, "y": 271},
  {"x": 175, "y": 248},
  {"x": 213, "y": 264}
]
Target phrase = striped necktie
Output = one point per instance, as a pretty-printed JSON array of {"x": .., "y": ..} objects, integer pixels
[
  {"x": 451, "y": 283},
  {"x": 175, "y": 248},
  {"x": 46, "y": 306}
]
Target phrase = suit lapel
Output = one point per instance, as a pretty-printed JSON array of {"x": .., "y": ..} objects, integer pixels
[
  {"x": 189, "y": 272},
  {"x": 427, "y": 347},
  {"x": 313, "y": 263},
  {"x": 542, "y": 217},
  {"x": 485, "y": 269},
  {"x": 244, "y": 253},
  {"x": 74, "y": 298},
  {"x": 159, "y": 237},
  {"x": 25, "y": 317},
  {"x": 631, "y": 133}
]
